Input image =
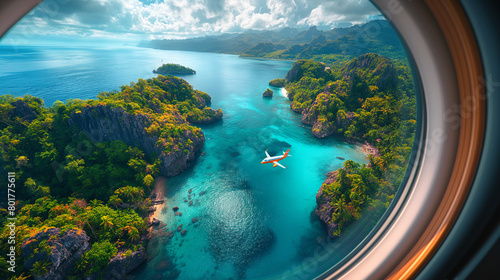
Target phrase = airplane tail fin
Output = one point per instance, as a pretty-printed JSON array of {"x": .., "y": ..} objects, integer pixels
[{"x": 286, "y": 153}]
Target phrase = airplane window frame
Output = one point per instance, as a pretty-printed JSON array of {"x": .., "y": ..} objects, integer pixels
[{"x": 434, "y": 32}]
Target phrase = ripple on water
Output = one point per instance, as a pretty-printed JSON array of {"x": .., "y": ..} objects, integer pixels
[{"x": 237, "y": 232}]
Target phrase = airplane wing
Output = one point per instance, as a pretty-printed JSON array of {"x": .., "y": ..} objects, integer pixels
[
  {"x": 267, "y": 154},
  {"x": 275, "y": 162}
]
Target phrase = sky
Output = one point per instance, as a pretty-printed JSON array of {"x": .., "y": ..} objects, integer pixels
[{"x": 134, "y": 20}]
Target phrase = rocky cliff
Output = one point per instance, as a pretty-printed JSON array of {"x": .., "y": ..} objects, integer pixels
[
  {"x": 267, "y": 93},
  {"x": 103, "y": 123},
  {"x": 60, "y": 252},
  {"x": 296, "y": 73},
  {"x": 209, "y": 116},
  {"x": 364, "y": 77},
  {"x": 120, "y": 265},
  {"x": 23, "y": 111},
  {"x": 323, "y": 126},
  {"x": 379, "y": 71},
  {"x": 324, "y": 208}
]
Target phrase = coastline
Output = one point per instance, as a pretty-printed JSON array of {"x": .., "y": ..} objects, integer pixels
[
  {"x": 263, "y": 58},
  {"x": 158, "y": 202},
  {"x": 284, "y": 92},
  {"x": 369, "y": 149}
]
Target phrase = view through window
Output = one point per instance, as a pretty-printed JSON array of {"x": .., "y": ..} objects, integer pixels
[{"x": 199, "y": 140}]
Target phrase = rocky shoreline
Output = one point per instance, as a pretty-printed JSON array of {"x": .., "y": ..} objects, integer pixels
[
  {"x": 70, "y": 246},
  {"x": 324, "y": 209},
  {"x": 158, "y": 201},
  {"x": 370, "y": 149}
]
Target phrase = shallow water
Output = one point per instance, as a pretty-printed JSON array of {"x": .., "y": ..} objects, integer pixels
[{"x": 253, "y": 220}]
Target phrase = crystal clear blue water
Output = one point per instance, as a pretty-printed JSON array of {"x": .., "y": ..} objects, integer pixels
[{"x": 253, "y": 220}]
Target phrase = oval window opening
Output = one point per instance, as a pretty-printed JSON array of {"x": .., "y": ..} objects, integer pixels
[{"x": 206, "y": 141}]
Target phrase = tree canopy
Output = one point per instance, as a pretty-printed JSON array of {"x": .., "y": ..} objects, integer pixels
[
  {"x": 368, "y": 99},
  {"x": 68, "y": 182},
  {"x": 172, "y": 69}
]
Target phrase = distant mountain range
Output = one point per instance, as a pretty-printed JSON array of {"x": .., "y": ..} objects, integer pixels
[{"x": 335, "y": 45}]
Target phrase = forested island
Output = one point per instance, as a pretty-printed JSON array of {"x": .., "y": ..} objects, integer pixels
[
  {"x": 369, "y": 99},
  {"x": 329, "y": 46},
  {"x": 174, "y": 69},
  {"x": 84, "y": 170},
  {"x": 267, "y": 93}
]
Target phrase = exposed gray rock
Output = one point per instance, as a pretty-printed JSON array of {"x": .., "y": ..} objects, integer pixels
[
  {"x": 125, "y": 205},
  {"x": 120, "y": 265},
  {"x": 268, "y": 93},
  {"x": 102, "y": 123},
  {"x": 66, "y": 250},
  {"x": 324, "y": 209},
  {"x": 346, "y": 121},
  {"x": 323, "y": 129},
  {"x": 296, "y": 72},
  {"x": 382, "y": 70},
  {"x": 155, "y": 222},
  {"x": 23, "y": 111}
]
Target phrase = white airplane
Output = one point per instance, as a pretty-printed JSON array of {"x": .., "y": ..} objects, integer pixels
[{"x": 274, "y": 160}]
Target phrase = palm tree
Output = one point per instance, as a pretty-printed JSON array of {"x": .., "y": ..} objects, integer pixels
[
  {"x": 134, "y": 152},
  {"x": 93, "y": 232},
  {"x": 134, "y": 234},
  {"x": 115, "y": 201},
  {"x": 126, "y": 229},
  {"x": 351, "y": 166},
  {"x": 338, "y": 204},
  {"x": 82, "y": 264},
  {"x": 21, "y": 277},
  {"x": 127, "y": 191},
  {"x": 155, "y": 168},
  {"x": 133, "y": 193},
  {"x": 95, "y": 203},
  {"x": 341, "y": 213},
  {"x": 107, "y": 221},
  {"x": 40, "y": 268},
  {"x": 137, "y": 193}
]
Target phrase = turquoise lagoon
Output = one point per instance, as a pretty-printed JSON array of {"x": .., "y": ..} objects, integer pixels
[{"x": 253, "y": 221}]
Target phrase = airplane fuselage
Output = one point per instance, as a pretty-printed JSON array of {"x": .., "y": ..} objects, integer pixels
[{"x": 272, "y": 159}]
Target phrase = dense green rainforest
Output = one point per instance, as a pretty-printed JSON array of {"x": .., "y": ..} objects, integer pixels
[
  {"x": 83, "y": 170},
  {"x": 369, "y": 99}
]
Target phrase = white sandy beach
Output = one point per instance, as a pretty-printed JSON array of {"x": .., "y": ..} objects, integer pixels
[{"x": 284, "y": 92}]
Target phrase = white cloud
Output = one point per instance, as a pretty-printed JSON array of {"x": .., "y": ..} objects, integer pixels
[{"x": 174, "y": 18}]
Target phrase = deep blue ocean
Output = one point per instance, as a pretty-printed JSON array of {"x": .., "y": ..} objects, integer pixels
[{"x": 253, "y": 221}]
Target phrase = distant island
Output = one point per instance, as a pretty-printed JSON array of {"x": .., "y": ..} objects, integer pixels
[
  {"x": 334, "y": 46},
  {"x": 174, "y": 69}
]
